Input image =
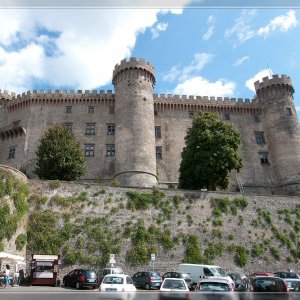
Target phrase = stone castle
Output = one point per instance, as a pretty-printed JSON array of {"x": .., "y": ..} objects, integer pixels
[{"x": 136, "y": 136}]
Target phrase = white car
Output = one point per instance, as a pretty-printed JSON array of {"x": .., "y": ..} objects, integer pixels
[
  {"x": 117, "y": 283},
  {"x": 174, "y": 285},
  {"x": 214, "y": 285}
]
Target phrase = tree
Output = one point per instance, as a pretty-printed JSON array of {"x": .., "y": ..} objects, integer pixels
[
  {"x": 59, "y": 155},
  {"x": 210, "y": 153}
]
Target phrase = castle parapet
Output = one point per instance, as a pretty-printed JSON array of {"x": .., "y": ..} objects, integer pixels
[{"x": 275, "y": 80}]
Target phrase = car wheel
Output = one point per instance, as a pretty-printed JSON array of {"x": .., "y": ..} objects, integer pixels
[
  {"x": 147, "y": 286},
  {"x": 78, "y": 285}
]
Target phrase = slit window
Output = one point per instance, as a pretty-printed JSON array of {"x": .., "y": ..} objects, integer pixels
[
  {"x": 191, "y": 114},
  {"x": 111, "y": 109},
  {"x": 289, "y": 111},
  {"x": 158, "y": 152}
]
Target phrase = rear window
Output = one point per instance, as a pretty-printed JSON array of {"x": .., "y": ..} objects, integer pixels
[
  {"x": 155, "y": 275},
  {"x": 89, "y": 273},
  {"x": 174, "y": 284},
  {"x": 113, "y": 280},
  {"x": 117, "y": 271},
  {"x": 267, "y": 285},
  {"x": 213, "y": 287}
]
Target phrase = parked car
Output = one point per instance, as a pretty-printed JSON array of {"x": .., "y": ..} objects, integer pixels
[
  {"x": 117, "y": 283},
  {"x": 174, "y": 285},
  {"x": 214, "y": 285},
  {"x": 106, "y": 271},
  {"x": 268, "y": 284},
  {"x": 240, "y": 281},
  {"x": 286, "y": 275},
  {"x": 80, "y": 278},
  {"x": 184, "y": 276},
  {"x": 292, "y": 283},
  {"x": 147, "y": 280}
]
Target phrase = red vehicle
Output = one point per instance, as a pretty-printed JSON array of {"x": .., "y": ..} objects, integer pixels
[{"x": 268, "y": 284}]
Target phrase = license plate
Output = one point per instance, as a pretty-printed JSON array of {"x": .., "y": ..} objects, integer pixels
[
  {"x": 91, "y": 280},
  {"x": 111, "y": 290}
]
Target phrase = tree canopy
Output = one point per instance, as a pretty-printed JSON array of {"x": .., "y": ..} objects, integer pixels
[
  {"x": 59, "y": 155},
  {"x": 210, "y": 153}
]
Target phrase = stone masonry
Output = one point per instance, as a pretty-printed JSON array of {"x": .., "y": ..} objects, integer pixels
[{"x": 136, "y": 136}]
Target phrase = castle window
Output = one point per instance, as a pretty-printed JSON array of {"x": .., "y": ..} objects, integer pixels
[
  {"x": 155, "y": 113},
  {"x": 68, "y": 126},
  {"x": 90, "y": 129},
  {"x": 89, "y": 149},
  {"x": 289, "y": 111},
  {"x": 12, "y": 152},
  {"x": 158, "y": 150},
  {"x": 158, "y": 132},
  {"x": 263, "y": 157},
  {"x": 226, "y": 117},
  {"x": 110, "y": 150},
  {"x": 259, "y": 137},
  {"x": 256, "y": 119},
  {"x": 111, "y": 129},
  {"x": 111, "y": 109},
  {"x": 68, "y": 109},
  {"x": 91, "y": 109},
  {"x": 191, "y": 114}
]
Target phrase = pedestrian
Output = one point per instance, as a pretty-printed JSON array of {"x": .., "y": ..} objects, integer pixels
[{"x": 6, "y": 279}]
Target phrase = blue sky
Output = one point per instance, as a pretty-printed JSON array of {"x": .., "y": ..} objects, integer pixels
[{"x": 211, "y": 51}]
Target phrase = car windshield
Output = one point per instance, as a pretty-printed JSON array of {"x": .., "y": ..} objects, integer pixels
[
  {"x": 174, "y": 284},
  {"x": 213, "y": 286},
  {"x": 113, "y": 280},
  {"x": 218, "y": 272}
]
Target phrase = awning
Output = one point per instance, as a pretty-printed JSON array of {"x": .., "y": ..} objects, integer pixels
[
  {"x": 13, "y": 257},
  {"x": 45, "y": 257}
]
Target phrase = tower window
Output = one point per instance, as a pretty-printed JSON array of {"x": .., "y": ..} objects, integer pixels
[
  {"x": 68, "y": 109},
  {"x": 111, "y": 129},
  {"x": 289, "y": 111},
  {"x": 89, "y": 149},
  {"x": 68, "y": 126},
  {"x": 158, "y": 151},
  {"x": 90, "y": 129},
  {"x": 12, "y": 152},
  {"x": 263, "y": 157},
  {"x": 259, "y": 137},
  {"x": 191, "y": 114},
  {"x": 155, "y": 113},
  {"x": 110, "y": 150},
  {"x": 256, "y": 119},
  {"x": 157, "y": 132},
  {"x": 91, "y": 109},
  {"x": 227, "y": 117},
  {"x": 111, "y": 109}
]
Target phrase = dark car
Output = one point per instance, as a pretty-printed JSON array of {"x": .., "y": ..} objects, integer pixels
[
  {"x": 286, "y": 275},
  {"x": 106, "y": 271},
  {"x": 185, "y": 276},
  {"x": 80, "y": 278},
  {"x": 268, "y": 284},
  {"x": 240, "y": 281},
  {"x": 147, "y": 280}
]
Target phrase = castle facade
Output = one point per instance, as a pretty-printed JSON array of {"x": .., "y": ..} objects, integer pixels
[{"x": 137, "y": 136}]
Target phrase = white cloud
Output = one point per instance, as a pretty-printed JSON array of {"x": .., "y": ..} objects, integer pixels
[
  {"x": 158, "y": 28},
  {"x": 281, "y": 23},
  {"x": 172, "y": 74},
  {"x": 240, "y": 61},
  {"x": 210, "y": 21},
  {"x": 200, "y": 86},
  {"x": 259, "y": 76},
  {"x": 68, "y": 47}
]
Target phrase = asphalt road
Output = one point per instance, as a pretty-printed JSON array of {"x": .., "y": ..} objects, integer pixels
[{"x": 61, "y": 293}]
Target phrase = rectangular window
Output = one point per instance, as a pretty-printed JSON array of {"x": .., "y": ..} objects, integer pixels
[
  {"x": 68, "y": 109},
  {"x": 91, "y": 109},
  {"x": 155, "y": 113},
  {"x": 110, "y": 129},
  {"x": 68, "y": 126},
  {"x": 259, "y": 137},
  {"x": 256, "y": 119},
  {"x": 12, "y": 152},
  {"x": 90, "y": 128},
  {"x": 263, "y": 157},
  {"x": 110, "y": 150},
  {"x": 157, "y": 132},
  {"x": 226, "y": 117},
  {"x": 111, "y": 109},
  {"x": 289, "y": 111},
  {"x": 191, "y": 114},
  {"x": 158, "y": 150},
  {"x": 89, "y": 149}
]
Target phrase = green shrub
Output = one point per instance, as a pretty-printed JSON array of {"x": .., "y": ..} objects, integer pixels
[
  {"x": 257, "y": 250},
  {"x": 192, "y": 250},
  {"x": 189, "y": 220},
  {"x": 216, "y": 233},
  {"x": 275, "y": 253},
  {"x": 21, "y": 241},
  {"x": 176, "y": 201},
  {"x": 217, "y": 223},
  {"x": 230, "y": 236},
  {"x": 241, "y": 256}
]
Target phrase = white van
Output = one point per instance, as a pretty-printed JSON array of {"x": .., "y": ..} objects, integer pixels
[{"x": 199, "y": 272}]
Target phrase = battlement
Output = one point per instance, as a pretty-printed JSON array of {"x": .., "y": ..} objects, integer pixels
[
  {"x": 133, "y": 63},
  {"x": 275, "y": 80},
  {"x": 69, "y": 94},
  {"x": 203, "y": 99},
  {"x": 7, "y": 94}
]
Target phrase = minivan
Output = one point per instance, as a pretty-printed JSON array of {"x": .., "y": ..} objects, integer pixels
[{"x": 198, "y": 272}]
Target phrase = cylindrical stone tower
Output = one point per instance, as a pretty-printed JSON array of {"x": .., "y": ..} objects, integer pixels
[
  {"x": 282, "y": 131},
  {"x": 135, "y": 160}
]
